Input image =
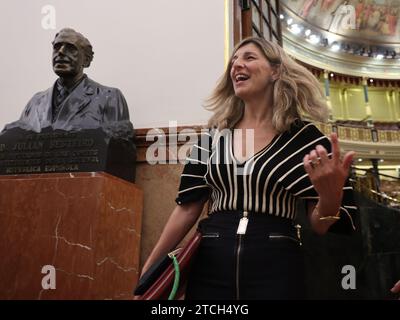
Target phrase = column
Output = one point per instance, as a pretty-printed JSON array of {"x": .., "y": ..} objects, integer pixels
[
  {"x": 366, "y": 99},
  {"x": 327, "y": 94}
]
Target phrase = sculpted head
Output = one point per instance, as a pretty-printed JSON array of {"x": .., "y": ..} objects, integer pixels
[{"x": 72, "y": 52}]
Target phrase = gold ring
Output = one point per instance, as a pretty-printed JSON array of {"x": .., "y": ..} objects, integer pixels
[{"x": 314, "y": 163}]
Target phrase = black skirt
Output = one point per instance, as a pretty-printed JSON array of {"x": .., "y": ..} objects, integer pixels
[{"x": 265, "y": 263}]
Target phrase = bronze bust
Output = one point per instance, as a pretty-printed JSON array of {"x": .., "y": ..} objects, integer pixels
[{"x": 75, "y": 101}]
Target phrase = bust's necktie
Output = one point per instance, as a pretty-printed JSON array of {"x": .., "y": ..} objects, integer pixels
[{"x": 60, "y": 96}]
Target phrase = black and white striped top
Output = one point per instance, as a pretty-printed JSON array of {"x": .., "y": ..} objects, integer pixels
[{"x": 271, "y": 181}]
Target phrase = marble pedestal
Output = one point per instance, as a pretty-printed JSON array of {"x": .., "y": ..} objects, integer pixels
[{"x": 85, "y": 225}]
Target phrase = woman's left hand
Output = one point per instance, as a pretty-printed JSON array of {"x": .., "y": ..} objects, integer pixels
[
  {"x": 396, "y": 288},
  {"x": 328, "y": 175}
]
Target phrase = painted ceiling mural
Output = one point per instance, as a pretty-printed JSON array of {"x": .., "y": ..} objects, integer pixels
[{"x": 376, "y": 20}]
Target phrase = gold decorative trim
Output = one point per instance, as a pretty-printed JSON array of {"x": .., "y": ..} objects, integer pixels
[{"x": 323, "y": 58}]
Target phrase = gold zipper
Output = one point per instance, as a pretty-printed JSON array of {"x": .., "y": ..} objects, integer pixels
[
  {"x": 298, "y": 230},
  {"x": 242, "y": 227},
  {"x": 282, "y": 236},
  {"x": 210, "y": 235},
  {"x": 241, "y": 230}
]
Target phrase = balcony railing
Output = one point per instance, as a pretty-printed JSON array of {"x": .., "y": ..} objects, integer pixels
[{"x": 360, "y": 132}]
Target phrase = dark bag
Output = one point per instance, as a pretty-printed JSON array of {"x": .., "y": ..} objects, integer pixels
[{"x": 163, "y": 277}]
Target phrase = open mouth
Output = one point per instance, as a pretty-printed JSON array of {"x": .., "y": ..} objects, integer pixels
[{"x": 241, "y": 77}]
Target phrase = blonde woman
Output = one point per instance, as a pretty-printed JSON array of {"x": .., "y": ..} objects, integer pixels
[{"x": 250, "y": 248}]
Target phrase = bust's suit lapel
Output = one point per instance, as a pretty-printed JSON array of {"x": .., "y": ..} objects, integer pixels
[{"x": 44, "y": 111}]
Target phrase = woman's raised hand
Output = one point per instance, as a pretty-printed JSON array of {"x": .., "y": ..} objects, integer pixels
[{"x": 328, "y": 175}]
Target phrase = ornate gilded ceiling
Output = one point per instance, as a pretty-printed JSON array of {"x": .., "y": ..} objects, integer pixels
[{"x": 356, "y": 37}]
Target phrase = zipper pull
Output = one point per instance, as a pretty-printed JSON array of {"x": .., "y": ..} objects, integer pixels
[
  {"x": 243, "y": 224},
  {"x": 298, "y": 227}
]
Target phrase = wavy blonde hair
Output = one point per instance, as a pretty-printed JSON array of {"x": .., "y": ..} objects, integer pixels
[{"x": 296, "y": 94}]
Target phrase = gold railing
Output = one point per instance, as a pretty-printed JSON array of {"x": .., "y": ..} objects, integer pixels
[{"x": 361, "y": 134}]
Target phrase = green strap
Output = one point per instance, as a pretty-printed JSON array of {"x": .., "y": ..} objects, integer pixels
[{"x": 176, "y": 280}]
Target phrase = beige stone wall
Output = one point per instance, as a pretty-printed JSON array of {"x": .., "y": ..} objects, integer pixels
[{"x": 160, "y": 184}]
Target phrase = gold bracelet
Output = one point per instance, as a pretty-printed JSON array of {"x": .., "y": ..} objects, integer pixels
[
  {"x": 330, "y": 218},
  {"x": 335, "y": 217}
]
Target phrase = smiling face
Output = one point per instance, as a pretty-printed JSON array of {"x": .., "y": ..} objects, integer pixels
[
  {"x": 251, "y": 73},
  {"x": 68, "y": 56}
]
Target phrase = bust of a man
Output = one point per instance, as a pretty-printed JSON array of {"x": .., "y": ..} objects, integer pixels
[{"x": 74, "y": 101}]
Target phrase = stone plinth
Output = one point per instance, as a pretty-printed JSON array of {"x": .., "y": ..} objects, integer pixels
[{"x": 86, "y": 225}]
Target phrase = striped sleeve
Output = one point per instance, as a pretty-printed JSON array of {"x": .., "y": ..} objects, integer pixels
[
  {"x": 298, "y": 182},
  {"x": 193, "y": 186}
]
